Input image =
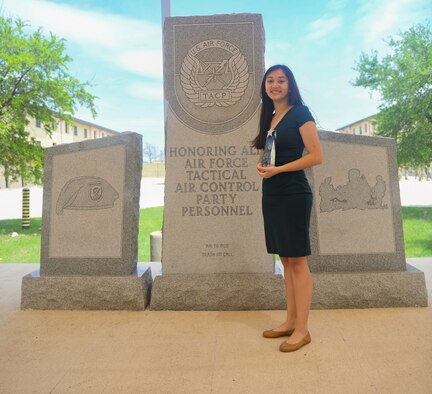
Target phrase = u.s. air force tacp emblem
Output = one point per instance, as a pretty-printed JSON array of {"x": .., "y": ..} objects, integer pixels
[
  {"x": 217, "y": 79},
  {"x": 211, "y": 72}
]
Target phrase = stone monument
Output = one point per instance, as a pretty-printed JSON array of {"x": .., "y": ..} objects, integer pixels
[
  {"x": 213, "y": 241},
  {"x": 358, "y": 253},
  {"x": 90, "y": 220},
  {"x": 213, "y": 253}
]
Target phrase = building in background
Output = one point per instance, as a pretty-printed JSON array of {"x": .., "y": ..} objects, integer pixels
[
  {"x": 365, "y": 126},
  {"x": 79, "y": 130}
]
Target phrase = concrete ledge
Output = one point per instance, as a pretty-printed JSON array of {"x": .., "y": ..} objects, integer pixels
[
  {"x": 266, "y": 291},
  {"x": 382, "y": 289},
  {"x": 85, "y": 292}
]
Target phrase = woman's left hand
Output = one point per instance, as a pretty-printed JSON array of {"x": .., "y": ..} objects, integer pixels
[{"x": 268, "y": 171}]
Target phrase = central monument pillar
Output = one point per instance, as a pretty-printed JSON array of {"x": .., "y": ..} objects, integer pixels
[{"x": 213, "y": 253}]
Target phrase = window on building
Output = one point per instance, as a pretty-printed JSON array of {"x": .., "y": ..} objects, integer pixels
[
  {"x": 39, "y": 143},
  {"x": 353, "y": 130},
  {"x": 75, "y": 130},
  {"x": 365, "y": 128},
  {"x": 94, "y": 134},
  {"x": 360, "y": 130},
  {"x": 38, "y": 123},
  {"x": 66, "y": 128},
  {"x": 85, "y": 133}
]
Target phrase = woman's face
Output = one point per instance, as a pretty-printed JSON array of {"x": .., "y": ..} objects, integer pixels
[{"x": 276, "y": 85}]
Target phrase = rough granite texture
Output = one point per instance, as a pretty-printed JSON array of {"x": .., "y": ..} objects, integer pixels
[
  {"x": 213, "y": 66},
  {"x": 125, "y": 262},
  {"x": 266, "y": 291},
  {"x": 131, "y": 292},
  {"x": 361, "y": 261}
]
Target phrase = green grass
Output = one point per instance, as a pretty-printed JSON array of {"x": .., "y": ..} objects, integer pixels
[
  {"x": 417, "y": 225},
  {"x": 22, "y": 249},
  {"x": 25, "y": 248},
  {"x": 150, "y": 220}
]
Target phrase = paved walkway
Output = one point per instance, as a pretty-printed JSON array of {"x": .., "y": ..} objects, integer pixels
[{"x": 352, "y": 351}]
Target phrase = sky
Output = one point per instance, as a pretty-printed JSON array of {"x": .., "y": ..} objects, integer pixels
[{"x": 116, "y": 45}]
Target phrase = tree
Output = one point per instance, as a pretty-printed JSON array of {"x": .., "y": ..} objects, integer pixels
[
  {"x": 34, "y": 82},
  {"x": 404, "y": 82},
  {"x": 150, "y": 151}
]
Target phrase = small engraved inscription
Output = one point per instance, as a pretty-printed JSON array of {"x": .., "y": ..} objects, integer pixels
[
  {"x": 215, "y": 249},
  {"x": 86, "y": 193},
  {"x": 355, "y": 194}
]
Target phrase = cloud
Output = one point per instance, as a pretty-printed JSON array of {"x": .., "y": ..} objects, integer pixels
[
  {"x": 144, "y": 62},
  {"x": 132, "y": 44},
  {"x": 321, "y": 28},
  {"x": 379, "y": 18},
  {"x": 336, "y": 4},
  {"x": 150, "y": 91}
]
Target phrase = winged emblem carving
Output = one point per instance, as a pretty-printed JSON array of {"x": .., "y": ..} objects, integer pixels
[{"x": 209, "y": 83}]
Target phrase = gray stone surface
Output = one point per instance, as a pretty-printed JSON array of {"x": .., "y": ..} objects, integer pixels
[
  {"x": 125, "y": 292},
  {"x": 90, "y": 218},
  {"x": 156, "y": 246},
  {"x": 266, "y": 291},
  {"x": 374, "y": 289},
  {"x": 213, "y": 67},
  {"x": 354, "y": 235},
  {"x": 91, "y": 207}
]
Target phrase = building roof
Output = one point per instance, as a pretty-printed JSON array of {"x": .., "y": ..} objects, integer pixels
[
  {"x": 357, "y": 121},
  {"x": 95, "y": 125}
]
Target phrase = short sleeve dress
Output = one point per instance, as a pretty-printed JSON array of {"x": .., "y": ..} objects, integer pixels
[{"x": 287, "y": 197}]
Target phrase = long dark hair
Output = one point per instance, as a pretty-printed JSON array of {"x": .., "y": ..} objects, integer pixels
[{"x": 267, "y": 106}]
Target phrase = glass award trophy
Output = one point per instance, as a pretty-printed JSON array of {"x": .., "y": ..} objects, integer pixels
[{"x": 269, "y": 157}]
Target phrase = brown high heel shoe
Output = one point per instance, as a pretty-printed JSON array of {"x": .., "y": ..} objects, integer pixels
[
  {"x": 292, "y": 347},
  {"x": 277, "y": 334}
]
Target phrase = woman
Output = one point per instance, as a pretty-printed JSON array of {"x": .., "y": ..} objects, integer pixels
[{"x": 287, "y": 196}]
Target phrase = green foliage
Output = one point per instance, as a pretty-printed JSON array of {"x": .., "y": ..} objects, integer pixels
[
  {"x": 404, "y": 82},
  {"x": 34, "y": 82}
]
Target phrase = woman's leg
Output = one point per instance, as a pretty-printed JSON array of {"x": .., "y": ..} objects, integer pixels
[
  {"x": 290, "y": 321},
  {"x": 302, "y": 287}
]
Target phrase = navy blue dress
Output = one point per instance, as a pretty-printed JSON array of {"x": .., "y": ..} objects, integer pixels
[{"x": 287, "y": 197}]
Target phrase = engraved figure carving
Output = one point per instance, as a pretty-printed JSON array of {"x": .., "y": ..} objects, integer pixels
[
  {"x": 209, "y": 79},
  {"x": 355, "y": 194},
  {"x": 86, "y": 193}
]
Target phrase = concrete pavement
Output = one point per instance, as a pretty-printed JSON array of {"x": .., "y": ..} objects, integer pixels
[{"x": 356, "y": 351}]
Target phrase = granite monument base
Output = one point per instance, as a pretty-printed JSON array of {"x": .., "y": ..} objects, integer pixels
[
  {"x": 83, "y": 292},
  {"x": 252, "y": 291}
]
